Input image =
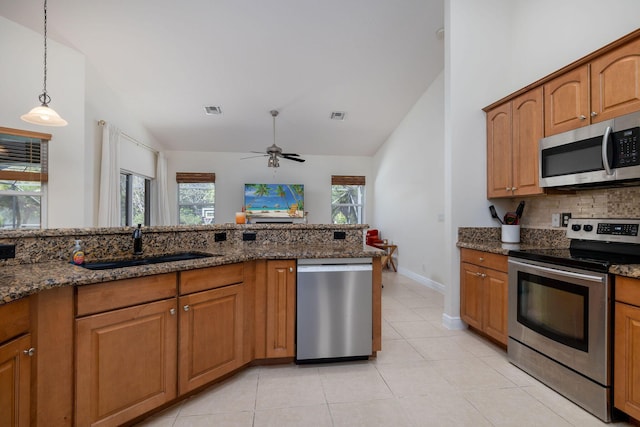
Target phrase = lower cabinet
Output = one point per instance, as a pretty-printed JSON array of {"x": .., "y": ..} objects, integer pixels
[
  {"x": 211, "y": 335},
  {"x": 125, "y": 363},
  {"x": 626, "y": 352},
  {"x": 483, "y": 292},
  {"x": 281, "y": 308},
  {"x": 15, "y": 364},
  {"x": 15, "y": 382}
]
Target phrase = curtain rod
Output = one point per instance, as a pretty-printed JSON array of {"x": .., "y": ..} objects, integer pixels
[{"x": 138, "y": 143}]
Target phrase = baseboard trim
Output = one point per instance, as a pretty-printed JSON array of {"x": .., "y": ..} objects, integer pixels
[
  {"x": 425, "y": 281},
  {"x": 453, "y": 323}
]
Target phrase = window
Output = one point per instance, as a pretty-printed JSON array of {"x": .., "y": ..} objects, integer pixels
[
  {"x": 23, "y": 178},
  {"x": 135, "y": 199},
  {"x": 196, "y": 196},
  {"x": 347, "y": 199}
]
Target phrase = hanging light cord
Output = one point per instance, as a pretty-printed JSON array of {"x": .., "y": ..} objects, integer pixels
[{"x": 44, "y": 98}]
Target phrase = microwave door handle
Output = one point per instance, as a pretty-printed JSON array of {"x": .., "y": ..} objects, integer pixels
[{"x": 605, "y": 148}]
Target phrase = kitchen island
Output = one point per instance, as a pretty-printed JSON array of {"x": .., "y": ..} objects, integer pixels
[{"x": 165, "y": 329}]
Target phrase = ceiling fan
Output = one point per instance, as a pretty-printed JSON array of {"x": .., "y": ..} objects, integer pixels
[{"x": 274, "y": 152}]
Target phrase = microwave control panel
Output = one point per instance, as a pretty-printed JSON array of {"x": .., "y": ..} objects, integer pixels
[{"x": 626, "y": 142}]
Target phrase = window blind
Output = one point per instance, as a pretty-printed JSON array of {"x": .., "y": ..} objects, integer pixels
[
  {"x": 347, "y": 180},
  {"x": 23, "y": 155},
  {"x": 195, "y": 177}
]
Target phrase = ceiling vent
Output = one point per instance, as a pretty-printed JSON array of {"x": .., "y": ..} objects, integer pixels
[
  {"x": 213, "y": 110},
  {"x": 338, "y": 115}
]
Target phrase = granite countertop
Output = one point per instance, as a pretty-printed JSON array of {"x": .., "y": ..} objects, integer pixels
[
  {"x": 488, "y": 240},
  {"x": 18, "y": 281}
]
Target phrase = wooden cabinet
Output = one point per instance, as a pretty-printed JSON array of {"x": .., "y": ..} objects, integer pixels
[
  {"x": 15, "y": 364},
  {"x": 126, "y": 358},
  {"x": 281, "y": 308},
  {"x": 211, "y": 325},
  {"x": 513, "y": 131},
  {"x": 626, "y": 352},
  {"x": 606, "y": 87},
  {"x": 483, "y": 292}
]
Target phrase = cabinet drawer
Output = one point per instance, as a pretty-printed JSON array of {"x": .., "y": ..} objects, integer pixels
[
  {"x": 628, "y": 290},
  {"x": 14, "y": 319},
  {"x": 210, "y": 278},
  {"x": 484, "y": 259},
  {"x": 124, "y": 293}
]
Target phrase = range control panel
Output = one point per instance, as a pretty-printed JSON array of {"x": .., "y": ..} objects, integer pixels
[{"x": 609, "y": 230}]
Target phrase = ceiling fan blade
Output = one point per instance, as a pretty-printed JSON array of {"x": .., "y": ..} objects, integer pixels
[
  {"x": 290, "y": 154},
  {"x": 295, "y": 159},
  {"x": 253, "y": 157}
]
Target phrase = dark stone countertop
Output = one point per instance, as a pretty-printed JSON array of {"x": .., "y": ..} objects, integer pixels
[{"x": 18, "y": 281}]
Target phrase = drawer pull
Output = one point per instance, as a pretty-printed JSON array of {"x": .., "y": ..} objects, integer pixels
[
  {"x": 172, "y": 311},
  {"x": 30, "y": 352},
  {"x": 582, "y": 117},
  {"x": 186, "y": 307},
  {"x": 593, "y": 114},
  {"x": 481, "y": 259},
  {"x": 290, "y": 269}
]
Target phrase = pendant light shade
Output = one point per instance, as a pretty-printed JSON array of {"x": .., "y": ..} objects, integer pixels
[{"x": 43, "y": 114}]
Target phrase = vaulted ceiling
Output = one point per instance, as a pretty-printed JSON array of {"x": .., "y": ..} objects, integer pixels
[{"x": 166, "y": 60}]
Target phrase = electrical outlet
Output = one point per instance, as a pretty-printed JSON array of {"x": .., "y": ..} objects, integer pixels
[
  {"x": 7, "y": 251},
  {"x": 247, "y": 236},
  {"x": 564, "y": 217},
  {"x": 555, "y": 220},
  {"x": 220, "y": 237},
  {"x": 339, "y": 235}
]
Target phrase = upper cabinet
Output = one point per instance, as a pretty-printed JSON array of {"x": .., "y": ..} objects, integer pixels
[
  {"x": 513, "y": 131},
  {"x": 606, "y": 87},
  {"x": 615, "y": 82}
]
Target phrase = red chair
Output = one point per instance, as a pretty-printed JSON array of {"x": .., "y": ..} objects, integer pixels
[{"x": 373, "y": 238}]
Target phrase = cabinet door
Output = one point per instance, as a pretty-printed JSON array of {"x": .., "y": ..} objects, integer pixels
[
  {"x": 495, "y": 305},
  {"x": 471, "y": 294},
  {"x": 125, "y": 363},
  {"x": 281, "y": 308},
  {"x": 615, "y": 82},
  {"x": 566, "y": 102},
  {"x": 499, "y": 155},
  {"x": 528, "y": 128},
  {"x": 626, "y": 361},
  {"x": 211, "y": 334},
  {"x": 15, "y": 382}
]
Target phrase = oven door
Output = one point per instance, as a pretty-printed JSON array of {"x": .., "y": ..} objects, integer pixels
[{"x": 562, "y": 313}]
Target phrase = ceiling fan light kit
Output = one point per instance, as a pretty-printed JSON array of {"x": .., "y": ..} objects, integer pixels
[{"x": 274, "y": 152}]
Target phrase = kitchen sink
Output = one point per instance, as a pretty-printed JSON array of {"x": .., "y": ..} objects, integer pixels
[{"x": 182, "y": 256}]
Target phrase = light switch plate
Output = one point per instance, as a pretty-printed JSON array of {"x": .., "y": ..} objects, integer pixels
[
  {"x": 555, "y": 220},
  {"x": 564, "y": 219}
]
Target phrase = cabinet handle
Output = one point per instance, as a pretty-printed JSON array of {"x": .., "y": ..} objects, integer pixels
[
  {"x": 172, "y": 311},
  {"x": 483, "y": 275},
  {"x": 593, "y": 114},
  {"x": 508, "y": 188},
  {"x": 582, "y": 117},
  {"x": 478, "y": 274},
  {"x": 514, "y": 188},
  {"x": 186, "y": 307},
  {"x": 290, "y": 269},
  {"x": 29, "y": 352},
  {"x": 481, "y": 259}
]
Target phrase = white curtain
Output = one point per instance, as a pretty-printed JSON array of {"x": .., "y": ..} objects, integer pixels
[
  {"x": 163, "y": 215},
  {"x": 109, "y": 201}
]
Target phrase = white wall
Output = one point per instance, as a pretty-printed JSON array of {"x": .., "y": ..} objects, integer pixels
[
  {"x": 20, "y": 85},
  {"x": 409, "y": 186},
  {"x": 494, "y": 47},
  {"x": 232, "y": 173}
]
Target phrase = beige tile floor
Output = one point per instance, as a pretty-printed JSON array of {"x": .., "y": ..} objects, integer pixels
[{"x": 425, "y": 375}]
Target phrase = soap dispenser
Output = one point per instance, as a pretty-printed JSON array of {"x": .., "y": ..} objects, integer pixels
[
  {"x": 77, "y": 255},
  {"x": 137, "y": 240}
]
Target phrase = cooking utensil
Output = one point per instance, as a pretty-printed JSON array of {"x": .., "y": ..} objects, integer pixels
[
  {"x": 519, "y": 210},
  {"x": 494, "y": 214},
  {"x": 511, "y": 218}
]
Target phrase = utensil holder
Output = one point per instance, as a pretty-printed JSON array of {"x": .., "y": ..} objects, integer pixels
[{"x": 511, "y": 233}]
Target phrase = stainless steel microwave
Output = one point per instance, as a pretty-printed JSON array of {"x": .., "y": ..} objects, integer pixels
[{"x": 601, "y": 154}]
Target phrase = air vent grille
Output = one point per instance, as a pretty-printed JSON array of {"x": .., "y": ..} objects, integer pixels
[
  {"x": 338, "y": 115},
  {"x": 213, "y": 110}
]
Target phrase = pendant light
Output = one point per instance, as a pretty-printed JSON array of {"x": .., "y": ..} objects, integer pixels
[{"x": 43, "y": 115}]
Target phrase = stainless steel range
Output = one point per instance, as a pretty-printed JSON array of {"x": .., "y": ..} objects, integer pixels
[{"x": 560, "y": 309}]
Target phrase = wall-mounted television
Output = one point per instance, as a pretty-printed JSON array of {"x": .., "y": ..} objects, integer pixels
[{"x": 274, "y": 200}]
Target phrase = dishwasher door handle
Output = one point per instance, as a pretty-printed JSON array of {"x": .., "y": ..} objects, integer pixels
[{"x": 329, "y": 268}]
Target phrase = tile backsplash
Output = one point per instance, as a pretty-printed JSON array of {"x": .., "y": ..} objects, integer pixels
[{"x": 602, "y": 203}]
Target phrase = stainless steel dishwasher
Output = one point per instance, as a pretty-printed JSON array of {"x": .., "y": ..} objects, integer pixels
[{"x": 334, "y": 304}]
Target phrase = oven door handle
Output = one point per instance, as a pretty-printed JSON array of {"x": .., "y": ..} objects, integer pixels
[{"x": 562, "y": 273}]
